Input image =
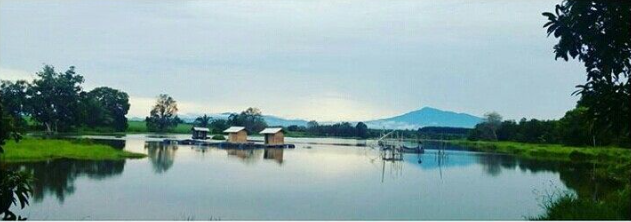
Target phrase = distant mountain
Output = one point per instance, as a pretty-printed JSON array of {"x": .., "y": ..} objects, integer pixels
[
  {"x": 278, "y": 121},
  {"x": 426, "y": 116},
  {"x": 413, "y": 120}
]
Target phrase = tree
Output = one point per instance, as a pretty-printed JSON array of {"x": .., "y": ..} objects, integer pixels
[
  {"x": 203, "y": 121},
  {"x": 15, "y": 100},
  {"x": 56, "y": 98},
  {"x": 251, "y": 119},
  {"x": 487, "y": 130},
  {"x": 361, "y": 130},
  {"x": 109, "y": 108},
  {"x": 14, "y": 185},
  {"x": 163, "y": 116},
  {"x": 219, "y": 125},
  {"x": 598, "y": 33}
]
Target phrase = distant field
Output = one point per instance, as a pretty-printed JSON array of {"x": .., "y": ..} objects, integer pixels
[{"x": 141, "y": 127}]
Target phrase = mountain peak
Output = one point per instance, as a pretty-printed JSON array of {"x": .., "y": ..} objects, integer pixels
[{"x": 426, "y": 116}]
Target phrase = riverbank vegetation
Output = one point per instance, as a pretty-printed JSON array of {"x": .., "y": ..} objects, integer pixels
[
  {"x": 56, "y": 102},
  {"x": 31, "y": 149}
]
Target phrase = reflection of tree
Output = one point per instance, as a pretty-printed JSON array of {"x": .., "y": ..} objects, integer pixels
[
  {"x": 57, "y": 177},
  {"x": 576, "y": 176},
  {"x": 161, "y": 155},
  {"x": 274, "y": 154}
]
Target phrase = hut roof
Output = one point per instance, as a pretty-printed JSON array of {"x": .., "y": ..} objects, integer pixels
[
  {"x": 271, "y": 130},
  {"x": 234, "y": 129},
  {"x": 195, "y": 128}
]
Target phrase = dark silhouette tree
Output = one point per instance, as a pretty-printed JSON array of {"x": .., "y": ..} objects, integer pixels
[
  {"x": 203, "y": 121},
  {"x": 163, "y": 115},
  {"x": 598, "y": 33}
]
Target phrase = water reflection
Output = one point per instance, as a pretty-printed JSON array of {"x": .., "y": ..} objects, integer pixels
[
  {"x": 161, "y": 155},
  {"x": 274, "y": 154},
  {"x": 247, "y": 156},
  {"x": 57, "y": 177}
]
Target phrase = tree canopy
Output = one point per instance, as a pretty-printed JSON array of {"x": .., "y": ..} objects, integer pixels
[
  {"x": 598, "y": 34},
  {"x": 163, "y": 115},
  {"x": 251, "y": 119}
]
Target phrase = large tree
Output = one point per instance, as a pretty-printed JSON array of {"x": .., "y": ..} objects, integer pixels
[
  {"x": 598, "y": 33},
  {"x": 251, "y": 119},
  {"x": 55, "y": 98},
  {"x": 15, "y": 100},
  {"x": 106, "y": 107},
  {"x": 361, "y": 130},
  {"x": 163, "y": 115}
]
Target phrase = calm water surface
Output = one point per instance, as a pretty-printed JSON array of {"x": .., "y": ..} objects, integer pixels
[{"x": 319, "y": 179}]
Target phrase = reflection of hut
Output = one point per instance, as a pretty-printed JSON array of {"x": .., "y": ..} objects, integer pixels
[
  {"x": 237, "y": 134},
  {"x": 273, "y": 136},
  {"x": 200, "y": 133},
  {"x": 274, "y": 154}
]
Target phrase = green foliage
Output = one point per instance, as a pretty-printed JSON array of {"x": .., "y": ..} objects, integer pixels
[
  {"x": 47, "y": 149},
  {"x": 15, "y": 188},
  {"x": 55, "y": 98},
  {"x": 163, "y": 117},
  {"x": 574, "y": 129},
  {"x": 202, "y": 121},
  {"x": 105, "y": 107},
  {"x": 361, "y": 130},
  {"x": 251, "y": 119},
  {"x": 569, "y": 207},
  {"x": 598, "y": 33},
  {"x": 56, "y": 102},
  {"x": 218, "y": 125},
  {"x": 218, "y": 137},
  {"x": 14, "y": 185},
  {"x": 141, "y": 127},
  {"x": 14, "y": 98}
]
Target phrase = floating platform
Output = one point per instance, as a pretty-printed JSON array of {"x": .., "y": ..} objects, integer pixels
[{"x": 228, "y": 145}]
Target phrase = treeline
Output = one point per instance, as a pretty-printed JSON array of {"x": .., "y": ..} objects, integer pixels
[
  {"x": 361, "y": 130},
  {"x": 251, "y": 118},
  {"x": 576, "y": 128},
  {"x": 56, "y": 102}
]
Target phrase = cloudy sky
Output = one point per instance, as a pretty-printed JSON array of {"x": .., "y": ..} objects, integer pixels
[{"x": 322, "y": 60}]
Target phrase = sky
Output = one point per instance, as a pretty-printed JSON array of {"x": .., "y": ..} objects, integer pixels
[{"x": 325, "y": 60}]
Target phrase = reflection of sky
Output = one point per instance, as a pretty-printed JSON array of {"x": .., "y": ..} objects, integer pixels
[
  {"x": 322, "y": 182},
  {"x": 323, "y": 60}
]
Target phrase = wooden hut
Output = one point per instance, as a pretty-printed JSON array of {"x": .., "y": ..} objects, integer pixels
[
  {"x": 273, "y": 136},
  {"x": 200, "y": 133},
  {"x": 237, "y": 134}
]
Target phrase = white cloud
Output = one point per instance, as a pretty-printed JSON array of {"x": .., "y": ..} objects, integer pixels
[{"x": 15, "y": 74}]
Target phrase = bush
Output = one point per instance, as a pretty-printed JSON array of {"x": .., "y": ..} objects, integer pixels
[{"x": 218, "y": 137}]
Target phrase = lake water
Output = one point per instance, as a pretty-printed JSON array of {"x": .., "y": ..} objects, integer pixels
[{"x": 319, "y": 179}]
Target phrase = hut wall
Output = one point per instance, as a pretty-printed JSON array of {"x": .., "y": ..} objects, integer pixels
[
  {"x": 238, "y": 137},
  {"x": 275, "y": 139}
]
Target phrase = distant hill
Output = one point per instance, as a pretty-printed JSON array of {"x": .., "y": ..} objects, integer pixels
[
  {"x": 413, "y": 120},
  {"x": 426, "y": 116}
]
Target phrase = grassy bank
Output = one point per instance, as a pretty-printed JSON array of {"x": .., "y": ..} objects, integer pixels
[
  {"x": 45, "y": 149},
  {"x": 141, "y": 127},
  {"x": 613, "y": 162}
]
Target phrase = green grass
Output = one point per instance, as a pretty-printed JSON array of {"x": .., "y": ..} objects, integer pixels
[
  {"x": 552, "y": 151},
  {"x": 141, "y": 127},
  {"x": 31, "y": 149},
  {"x": 568, "y": 207}
]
